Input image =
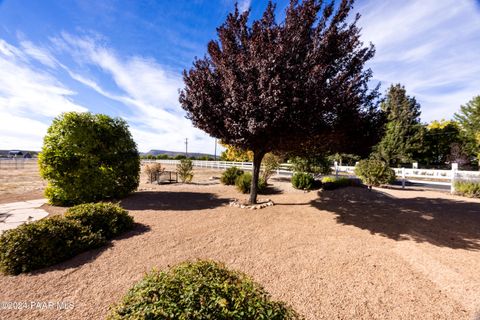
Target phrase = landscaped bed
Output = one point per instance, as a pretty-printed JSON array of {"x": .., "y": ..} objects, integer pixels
[{"x": 348, "y": 253}]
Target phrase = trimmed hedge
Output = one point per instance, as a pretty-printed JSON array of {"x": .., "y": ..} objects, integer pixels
[
  {"x": 468, "y": 188},
  {"x": 107, "y": 219},
  {"x": 49, "y": 241},
  {"x": 244, "y": 183},
  {"x": 230, "y": 175},
  {"x": 43, "y": 243},
  {"x": 199, "y": 290},
  {"x": 303, "y": 181}
]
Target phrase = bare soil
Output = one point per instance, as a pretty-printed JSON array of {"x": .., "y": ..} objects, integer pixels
[
  {"x": 22, "y": 183},
  {"x": 343, "y": 254}
]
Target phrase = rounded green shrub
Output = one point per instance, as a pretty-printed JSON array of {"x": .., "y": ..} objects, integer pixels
[
  {"x": 43, "y": 243},
  {"x": 107, "y": 219},
  {"x": 374, "y": 172},
  {"x": 230, "y": 175},
  {"x": 88, "y": 157},
  {"x": 302, "y": 180},
  {"x": 196, "y": 291},
  {"x": 244, "y": 182}
]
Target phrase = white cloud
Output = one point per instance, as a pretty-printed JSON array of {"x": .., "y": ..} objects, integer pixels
[
  {"x": 27, "y": 94},
  {"x": 429, "y": 46},
  {"x": 244, "y": 5},
  {"x": 149, "y": 90},
  {"x": 39, "y": 54}
]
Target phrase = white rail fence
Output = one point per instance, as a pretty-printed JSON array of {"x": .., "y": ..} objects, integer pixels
[{"x": 404, "y": 175}]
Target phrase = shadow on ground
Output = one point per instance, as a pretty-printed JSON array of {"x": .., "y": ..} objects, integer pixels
[
  {"x": 441, "y": 222},
  {"x": 271, "y": 190},
  {"x": 90, "y": 255},
  {"x": 164, "y": 200}
]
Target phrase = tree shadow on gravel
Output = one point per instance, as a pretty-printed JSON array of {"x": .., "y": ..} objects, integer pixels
[
  {"x": 91, "y": 255},
  {"x": 165, "y": 200},
  {"x": 441, "y": 222}
]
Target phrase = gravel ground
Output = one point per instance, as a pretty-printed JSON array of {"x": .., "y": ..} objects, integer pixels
[{"x": 343, "y": 254}]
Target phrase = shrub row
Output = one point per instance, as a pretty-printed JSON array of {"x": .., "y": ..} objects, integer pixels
[
  {"x": 468, "y": 188},
  {"x": 329, "y": 183},
  {"x": 199, "y": 290},
  {"x": 52, "y": 240}
]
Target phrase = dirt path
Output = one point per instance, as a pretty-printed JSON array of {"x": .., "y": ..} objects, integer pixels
[{"x": 344, "y": 254}]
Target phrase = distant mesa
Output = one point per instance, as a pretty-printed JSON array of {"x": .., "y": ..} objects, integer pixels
[{"x": 172, "y": 154}]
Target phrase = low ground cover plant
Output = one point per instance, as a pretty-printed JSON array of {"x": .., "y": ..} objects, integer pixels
[
  {"x": 303, "y": 181},
  {"x": 244, "y": 183},
  {"x": 468, "y": 188},
  {"x": 230, "y": 175},
  {"x": 374, "y": 172},
  {"x": 52, "y": 240},
  {"x": 330, "y": 183},
  {"x": 199, "y": 290},
  {"x": 185, "y": 170}
]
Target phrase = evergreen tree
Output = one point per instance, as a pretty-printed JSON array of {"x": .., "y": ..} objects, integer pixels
[
  {"x": 469, "y": 120},
  {"x": 403, "y": 131}
]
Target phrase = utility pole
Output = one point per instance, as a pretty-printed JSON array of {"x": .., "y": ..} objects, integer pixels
[
  {"x": 215, "y": 149},
  {"x": 186, "y": 147}
]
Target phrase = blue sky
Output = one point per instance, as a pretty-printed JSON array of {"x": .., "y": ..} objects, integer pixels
[{"x": 125, "y": 58}]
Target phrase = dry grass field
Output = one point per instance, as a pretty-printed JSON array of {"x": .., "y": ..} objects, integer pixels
[{"x": 343, "y": 254}]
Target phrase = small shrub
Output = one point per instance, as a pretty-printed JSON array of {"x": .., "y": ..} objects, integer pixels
[
  {"x": 230, "y": 175},
  {"x": 152, "y": 170},
  {"x": 197, "y": 291},
  {"x": 468, "y": 188},
  {"x": 244, "y": 183},
  {"x": 43, "y": 243},
  {"x": 374, "y": 172},
  {"x": 302, "y": 180},
  {"x": 185, "y": 170},
  {"x": 270, "y": 164},
  {"x": 107, "y": 219}
]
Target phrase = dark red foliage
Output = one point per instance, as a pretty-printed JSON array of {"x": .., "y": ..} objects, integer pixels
[{"x": 284, "y": 86}]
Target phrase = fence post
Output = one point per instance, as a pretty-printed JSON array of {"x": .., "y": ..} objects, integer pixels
[
  {"x": 403, "y": 178},
  {"x": 452, "y": 179}
]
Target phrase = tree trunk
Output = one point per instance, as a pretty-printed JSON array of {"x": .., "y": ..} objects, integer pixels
[{"x": 257, "y": 162}]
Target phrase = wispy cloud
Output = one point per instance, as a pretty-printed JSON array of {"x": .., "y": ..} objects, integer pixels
[
  {"x": 429, "y": 46},
  {"x": 244, "y": 5},
  {"x": 28, "y": 94},
  {"x": 148, "y": 89}
]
